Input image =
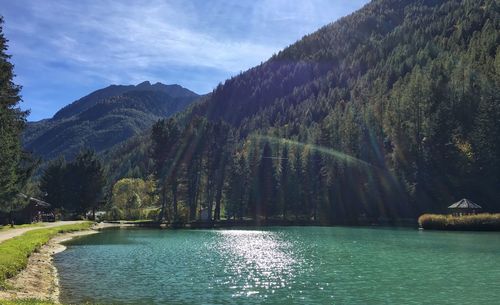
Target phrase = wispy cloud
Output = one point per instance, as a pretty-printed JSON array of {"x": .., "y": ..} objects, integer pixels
[{"x": 62, "y": 43}]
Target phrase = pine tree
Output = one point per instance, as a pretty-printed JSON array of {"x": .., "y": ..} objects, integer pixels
[
  {"x": 52, "y": 183},
  {"x": 285, "y": 187},
  {"x": 266, "y": 204},
  {"x": 12, "y": 120},
  {"x": 89, "y": 180},
  {"x": 165, "y": 136}
]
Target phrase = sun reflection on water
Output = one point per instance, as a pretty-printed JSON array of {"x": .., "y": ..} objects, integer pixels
[{"x": 257, "y": 262}]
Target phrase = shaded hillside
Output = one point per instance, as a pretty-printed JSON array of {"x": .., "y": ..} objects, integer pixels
[
  {"x": 104, "y": 118},
  {"x": 387, "y": 113}
]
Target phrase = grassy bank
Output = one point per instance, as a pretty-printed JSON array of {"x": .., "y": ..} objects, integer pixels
[
  {"x": 478, "y": 222},
  {"x": 25, "y": 302},
  {"x": 15, "y": 251},
  {"x": 8, "y": 227},
  {"x": 32, "y": 302}
]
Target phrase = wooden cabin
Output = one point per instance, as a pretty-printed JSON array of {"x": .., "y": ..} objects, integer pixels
[{"x": 36, "y": 210}]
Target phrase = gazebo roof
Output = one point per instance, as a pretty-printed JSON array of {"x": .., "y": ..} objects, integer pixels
[{"x": 464, "y": 204}]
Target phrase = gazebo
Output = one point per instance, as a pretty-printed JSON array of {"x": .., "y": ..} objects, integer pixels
[{"x": 464, "y": 207}]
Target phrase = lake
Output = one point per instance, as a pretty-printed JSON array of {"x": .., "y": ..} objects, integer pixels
[{"x": 292, "y": 265}]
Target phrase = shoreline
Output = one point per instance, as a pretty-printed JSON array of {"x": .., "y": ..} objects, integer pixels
[{"x": 40, "y": 279}]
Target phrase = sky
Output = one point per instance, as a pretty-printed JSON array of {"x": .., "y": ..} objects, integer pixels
[{"x": 64, "y": 49}]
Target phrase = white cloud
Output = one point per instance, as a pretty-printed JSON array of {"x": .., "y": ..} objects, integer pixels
[
  {"x": 114, "y": 38},
  {"x": 196, "y": 43}
]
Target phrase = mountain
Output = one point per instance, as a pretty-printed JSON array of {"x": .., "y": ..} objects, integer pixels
[
  {"x": 387, "y": 113},
  {"x": 104, "y": 118}
]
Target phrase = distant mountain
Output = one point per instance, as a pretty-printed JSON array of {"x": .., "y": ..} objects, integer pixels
[{"x": 104, "y": 118}]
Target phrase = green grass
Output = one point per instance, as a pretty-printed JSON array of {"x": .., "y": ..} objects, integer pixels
[
  {"x": 482, "y": 221},
  {"x": 138, "y": 220},
  {"x": 15, "y": 251},
  {"x": 25, "y": 302},
  {"x": 31, "y": 302},
  {"x": 8, "y": 227}
]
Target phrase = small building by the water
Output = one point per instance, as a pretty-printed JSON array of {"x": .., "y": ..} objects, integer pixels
[
  {"x": 36, "y": 210},
  {"x": 464, "y": 207}
]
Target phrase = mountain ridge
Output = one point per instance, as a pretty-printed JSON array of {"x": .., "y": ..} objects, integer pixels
[
  {"x": 104, "y": 118},
  {"x": 90, "y": 99}
]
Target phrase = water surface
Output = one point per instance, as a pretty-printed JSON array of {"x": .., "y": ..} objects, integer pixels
[{"x": 306, "y": 265}]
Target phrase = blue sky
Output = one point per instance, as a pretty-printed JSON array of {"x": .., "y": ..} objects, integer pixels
[{"x": 65, "y": 49}]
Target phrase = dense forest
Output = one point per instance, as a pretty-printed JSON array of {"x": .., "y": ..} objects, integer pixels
[{"x": 385, "y": 114}]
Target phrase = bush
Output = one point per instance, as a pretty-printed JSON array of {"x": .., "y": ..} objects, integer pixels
[
  {"x": 114, "y": 213},
  {"x": 151, "y": 214},
  {"x": 482, "y": 221}
]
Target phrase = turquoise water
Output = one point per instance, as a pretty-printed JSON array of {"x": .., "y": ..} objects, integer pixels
[{"x": 309, "y": 265}]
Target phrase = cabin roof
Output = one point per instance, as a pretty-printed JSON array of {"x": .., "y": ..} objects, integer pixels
[
  {"x": 35, "y": 201},
  {"x": 464, "y": 204},
  {"x": 40, "y": 203}
]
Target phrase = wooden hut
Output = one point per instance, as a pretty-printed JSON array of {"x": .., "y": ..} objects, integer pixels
[
  {"x": 464, "y": 207},
  {"x": 36, "y": 210}
]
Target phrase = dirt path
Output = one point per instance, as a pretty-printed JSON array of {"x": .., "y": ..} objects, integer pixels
[
  {"x": 9, "y": 233},
  {"x": 39, "y": 279}
]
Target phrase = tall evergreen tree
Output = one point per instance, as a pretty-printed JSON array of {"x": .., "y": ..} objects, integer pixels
[
  {"x": 165, "y": 135},
  {"x": 89, "y": 176},
  {"x": 266, "y": 204},
  {"x": 52, "y": 183},
  {"x": 12, "y": 121}
]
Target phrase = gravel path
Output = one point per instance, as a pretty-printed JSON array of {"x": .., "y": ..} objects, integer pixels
[{"x": 9, "y": 233}]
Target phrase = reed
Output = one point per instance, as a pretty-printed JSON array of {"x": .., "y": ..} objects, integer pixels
[{"x": 477, "y": 222}]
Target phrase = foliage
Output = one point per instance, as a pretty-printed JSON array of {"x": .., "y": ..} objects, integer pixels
[
  {"x": 131, "y": 196},
  {"x": 165, "y": 135},
  {"x": 483, "y": 221},
  {"x": 15, "y": 251},
  {"x": 15, "y": 165},
  {"x": 114, "y": 213},
  {"x": 74, "y": 186}
]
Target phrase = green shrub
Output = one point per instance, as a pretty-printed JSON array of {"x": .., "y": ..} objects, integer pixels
[
  {"x": 151, "y": 214},
  {"x": 15, "y": 251},
  {"x": 482, "y": 221},
  {"x": 114, "y": 213}
]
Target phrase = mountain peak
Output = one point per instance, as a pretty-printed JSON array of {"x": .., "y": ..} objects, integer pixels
[
  {"x": 88, "y": 101},
  {"x": 105, "y": 117},
  {"x": 146, "y": 84}
]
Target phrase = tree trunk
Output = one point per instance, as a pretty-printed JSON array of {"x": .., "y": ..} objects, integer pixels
[
  {"x": 163, "y": 205},
  {"x": 284, "y": 209},
  {"x": 11, "y": 218},
  {"x": 218, "y": 198},
  {"x": 174, "y": 197}
]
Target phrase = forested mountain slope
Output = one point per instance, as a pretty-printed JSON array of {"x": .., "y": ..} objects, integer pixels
[
  {"x": 104, "y": 118},
  {"x": 387, "y": 113}
]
